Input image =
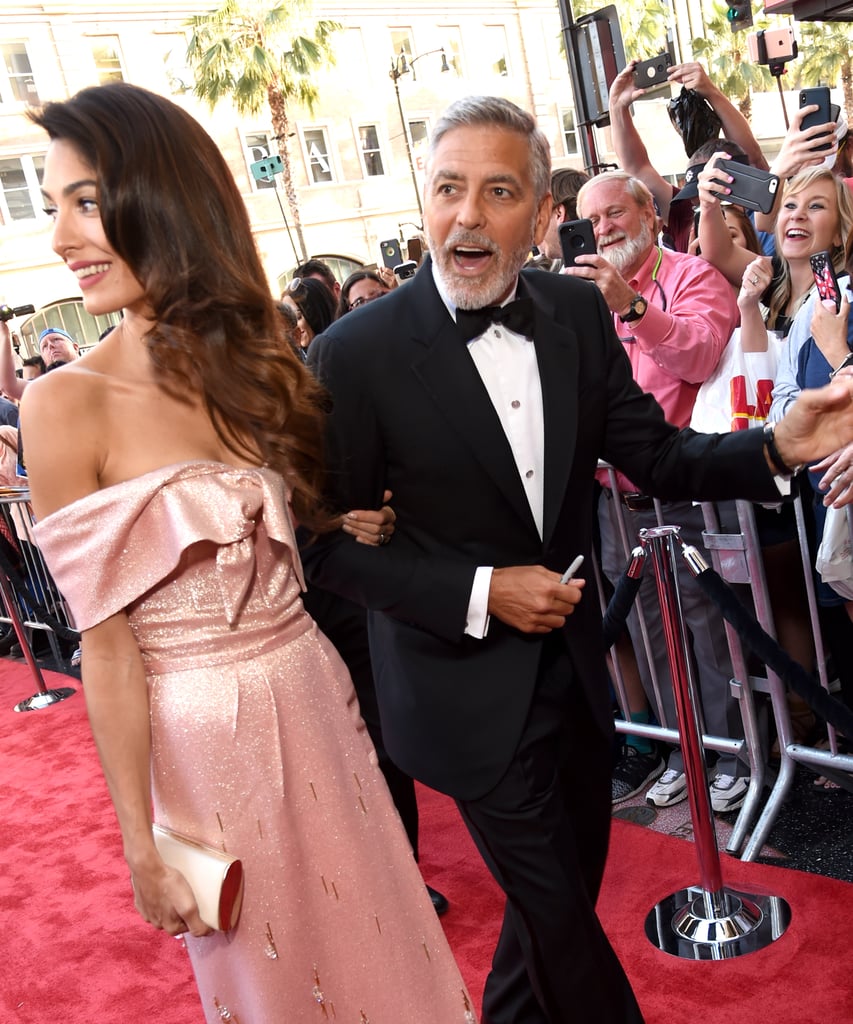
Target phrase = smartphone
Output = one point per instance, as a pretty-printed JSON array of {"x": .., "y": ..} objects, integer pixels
[
  {"x": 825, "y": 278},
  {"x": 652, "y": 71},
  {"x": 391, "y": 255},
  {"x": 576, "y": 239},
  {"x": 772, "y": 45},
  {"x": 415, "y": 250},
  {"x": 752, "y": 188},
  {"x": 820, "y": 95},
  {"x": 403, "y": 271}
]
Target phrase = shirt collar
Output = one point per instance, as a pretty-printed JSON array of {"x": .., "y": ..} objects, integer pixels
[{"x": 646, "y": 267}]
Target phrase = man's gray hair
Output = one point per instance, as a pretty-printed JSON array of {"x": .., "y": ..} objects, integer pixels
[
  {"x": 633, "y": 186},
  {"x": 497, "y": 112}
]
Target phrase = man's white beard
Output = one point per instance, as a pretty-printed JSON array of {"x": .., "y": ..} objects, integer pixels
[
  {"x": 626, "y": 255},
  {"x": 488, "y": 289}
]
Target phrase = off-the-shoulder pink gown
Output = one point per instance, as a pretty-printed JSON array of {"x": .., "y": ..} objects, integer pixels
[{"x": 258, "y": 748}]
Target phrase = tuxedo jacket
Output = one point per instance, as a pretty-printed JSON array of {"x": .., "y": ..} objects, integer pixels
[{"x": 410, "y": 413}]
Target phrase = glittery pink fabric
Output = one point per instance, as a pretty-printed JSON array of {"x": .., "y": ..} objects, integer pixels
[{"x": 258, "y": 747}]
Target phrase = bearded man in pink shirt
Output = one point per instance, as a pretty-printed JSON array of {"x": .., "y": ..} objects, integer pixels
[{"x": 674, "y": 314}]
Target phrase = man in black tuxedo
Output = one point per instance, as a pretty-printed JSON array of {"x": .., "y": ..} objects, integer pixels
[{"x": 490, "y": 671}]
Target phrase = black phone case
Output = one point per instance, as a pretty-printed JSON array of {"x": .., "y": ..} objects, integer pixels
[
  {"x": 752, "y": 188},
  {"x": 391, "y": 255},
  {"x": 652, "y": 71},
  {"x": 577, "y": 238},
  {"x": 817, "y": 94},
  {"x": 825, "y": 278}
]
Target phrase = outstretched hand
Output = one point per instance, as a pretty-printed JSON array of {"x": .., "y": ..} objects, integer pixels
[{"x": 532, "y": 599}]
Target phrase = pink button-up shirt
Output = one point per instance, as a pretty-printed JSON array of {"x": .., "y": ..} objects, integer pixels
[{"x": 677, "y": 344}]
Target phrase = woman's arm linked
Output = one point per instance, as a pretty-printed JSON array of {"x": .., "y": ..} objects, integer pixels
[{"x": 116, "y": 693}]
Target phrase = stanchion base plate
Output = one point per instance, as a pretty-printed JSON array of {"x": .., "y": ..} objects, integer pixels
[
  {"x": 680, "y": 925},
  {"x": 44, "y": 700}
]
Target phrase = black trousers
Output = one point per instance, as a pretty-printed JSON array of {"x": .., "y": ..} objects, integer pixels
[{"x": 543, "y": 833}]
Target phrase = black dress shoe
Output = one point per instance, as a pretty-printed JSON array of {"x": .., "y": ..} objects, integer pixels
[{"x": 439, "y": 901}]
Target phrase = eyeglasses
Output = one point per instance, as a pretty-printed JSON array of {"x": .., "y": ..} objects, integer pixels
[
  {"x": 296, "y": 288},
  {"x": 362, "y": 299}
]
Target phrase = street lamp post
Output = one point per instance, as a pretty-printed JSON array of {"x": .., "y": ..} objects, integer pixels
[{"x": 401, "y": 66}]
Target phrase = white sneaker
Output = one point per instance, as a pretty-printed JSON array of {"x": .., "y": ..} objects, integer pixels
[
  {"x": 671, "y": 788},
  {"x": 727, "y": 792}
]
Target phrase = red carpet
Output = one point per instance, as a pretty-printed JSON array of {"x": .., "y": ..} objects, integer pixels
[{"x": 74, "y": 950}]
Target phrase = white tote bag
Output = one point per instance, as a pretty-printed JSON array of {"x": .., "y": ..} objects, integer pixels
[
  {"x": 834, "y": 559},
  {"x": 738, "y": 393}
]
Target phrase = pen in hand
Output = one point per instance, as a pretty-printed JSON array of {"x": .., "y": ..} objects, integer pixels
[{"x": 572, "y": 569}]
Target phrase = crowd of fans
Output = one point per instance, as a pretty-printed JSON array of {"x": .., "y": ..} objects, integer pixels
[{"x": 687, "y": 275}]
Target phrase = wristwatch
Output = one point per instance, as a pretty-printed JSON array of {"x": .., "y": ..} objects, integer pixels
[
  {"x": 782, "y": 468},
  {"x": 636, "y": 310}
]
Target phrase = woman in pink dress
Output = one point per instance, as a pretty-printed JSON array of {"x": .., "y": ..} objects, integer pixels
[{"x": 165, "y": 517}]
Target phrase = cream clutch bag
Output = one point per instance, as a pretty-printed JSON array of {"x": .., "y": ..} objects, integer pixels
[{"x": 216, "y": 878}]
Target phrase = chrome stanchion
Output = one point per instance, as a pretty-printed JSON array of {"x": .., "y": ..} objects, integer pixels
[
  {"x": 705, "y": 921},
  {"x": 44, "y": 697}
]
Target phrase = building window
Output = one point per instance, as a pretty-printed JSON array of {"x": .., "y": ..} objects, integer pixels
[
  {"x": 107, "y": 57},
  {"x": 371, "y": 155},
  {"x": 20, "y": 183},
  {"x": 418, "y": 132},
  {"x": 18, "y": 84},
  {"x": 402, "y": 41},
  {"x": 316, "y": 141},
  {"x": 258, "y": 148},
  {"x": 496, "y": 50},
  {"x": 570, "y": 133}
]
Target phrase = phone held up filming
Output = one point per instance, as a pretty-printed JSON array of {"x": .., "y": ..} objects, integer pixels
[
  {"x": 577, "y": 238},
  {"x": 752, "y": 188},
  {"x": 825, "y": 278}
]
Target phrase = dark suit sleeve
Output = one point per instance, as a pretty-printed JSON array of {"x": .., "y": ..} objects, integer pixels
[
  {"x": 426, "y": 590},
  {"x": 670, "y": 463}
]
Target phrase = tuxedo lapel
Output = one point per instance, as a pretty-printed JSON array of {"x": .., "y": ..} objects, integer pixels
[
  {"x": 557, "y": 356},
  {"x": 446, "y": 370}
]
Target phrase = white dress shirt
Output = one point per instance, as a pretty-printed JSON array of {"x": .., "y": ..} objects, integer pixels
[{"x": 506, "y": 362}]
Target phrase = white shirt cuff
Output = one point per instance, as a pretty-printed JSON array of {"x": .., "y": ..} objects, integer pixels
[
  {"x": 477, "y": 621},
  {"x": 783, "y": 484}
]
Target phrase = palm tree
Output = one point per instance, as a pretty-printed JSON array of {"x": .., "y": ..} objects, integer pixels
[
  {"x": 255, "y": 52},
  {"x": 724, "y": 54}
]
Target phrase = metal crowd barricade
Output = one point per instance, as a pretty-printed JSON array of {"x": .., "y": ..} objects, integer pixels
[
  {"x": 749, "y": 569},
  {"x": 737, "y": 558},
  {"x": 31, "y": 602},
  {"x": 748, "y": 748}
]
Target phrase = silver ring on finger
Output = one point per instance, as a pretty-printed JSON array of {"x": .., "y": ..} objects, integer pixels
[{"x": 381, "y": 538}]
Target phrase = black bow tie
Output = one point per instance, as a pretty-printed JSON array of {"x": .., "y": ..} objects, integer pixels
[{"x": 515, "y": 316}]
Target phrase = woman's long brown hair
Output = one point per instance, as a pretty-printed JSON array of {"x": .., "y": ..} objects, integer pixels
[{"x": 171, "y": 209}]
